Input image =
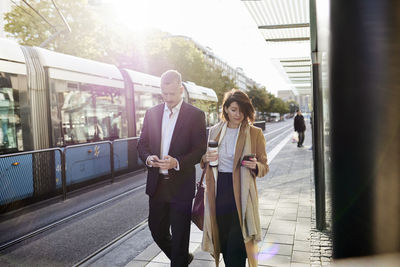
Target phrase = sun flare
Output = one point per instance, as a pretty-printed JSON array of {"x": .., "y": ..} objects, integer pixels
[{"x": 137, "y": 15}]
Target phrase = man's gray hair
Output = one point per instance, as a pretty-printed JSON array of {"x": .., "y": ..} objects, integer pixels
[{"x": 171, "y": 76}]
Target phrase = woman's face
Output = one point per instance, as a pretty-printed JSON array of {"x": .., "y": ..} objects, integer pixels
[{"x": 234, "y": 114}]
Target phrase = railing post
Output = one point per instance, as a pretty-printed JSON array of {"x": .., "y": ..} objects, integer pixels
[
  {"x": 64, "y": 173},
  {"x": 112, "y": 160}
]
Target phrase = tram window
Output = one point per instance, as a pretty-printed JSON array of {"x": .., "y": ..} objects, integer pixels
[
  {"x": 89, "y": 113},
  {"x": 144, "y": 101},
  {"x": 10, "y": 120},
  {"x": 209, "y": 108}
]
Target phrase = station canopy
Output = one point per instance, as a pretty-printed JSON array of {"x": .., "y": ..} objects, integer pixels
[{"x": 284, "y": 22}]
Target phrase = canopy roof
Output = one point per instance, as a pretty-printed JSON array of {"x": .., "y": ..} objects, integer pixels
[{"x": 281, "y": 22}]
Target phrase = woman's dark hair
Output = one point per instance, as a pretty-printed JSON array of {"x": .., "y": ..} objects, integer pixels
[{"x": 243, "y": 101}]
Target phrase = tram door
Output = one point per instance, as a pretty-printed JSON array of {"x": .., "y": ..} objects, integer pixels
[{"x": 38, "y": 122}]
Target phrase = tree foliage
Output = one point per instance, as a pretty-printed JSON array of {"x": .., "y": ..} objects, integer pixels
[
  {"x": 259, "y": 98},
  {"x": 215, "y": 78},
  {"x": 88, "y": 37},
  {"x": 293, "y": 106},
  {"x": 277, "y": 105}
]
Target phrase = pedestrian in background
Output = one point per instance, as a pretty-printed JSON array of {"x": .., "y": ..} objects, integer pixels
[
  {"x": 232, "y": 222},
  {"x": 172, "y": 142},
  {"x": 299, "y": 127}
]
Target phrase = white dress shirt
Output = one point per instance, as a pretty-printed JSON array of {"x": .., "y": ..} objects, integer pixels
[{"x": 167, "y": 130}]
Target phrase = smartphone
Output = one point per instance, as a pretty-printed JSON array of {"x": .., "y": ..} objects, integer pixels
[
  {"x": 248, "y": 157},
  {"x": 155, "y": 160}
]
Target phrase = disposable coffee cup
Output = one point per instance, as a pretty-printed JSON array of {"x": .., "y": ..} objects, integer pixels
[{"x": 213, "y": 146}]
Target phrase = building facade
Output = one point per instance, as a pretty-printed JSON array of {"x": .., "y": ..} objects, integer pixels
[{"x": 236, "y": 74}]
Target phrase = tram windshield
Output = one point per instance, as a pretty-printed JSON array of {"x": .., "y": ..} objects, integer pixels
[{"x": 10, "y": 122}]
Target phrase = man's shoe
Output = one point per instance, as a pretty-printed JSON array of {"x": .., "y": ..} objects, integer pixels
[{"x": 190, "y": 258}]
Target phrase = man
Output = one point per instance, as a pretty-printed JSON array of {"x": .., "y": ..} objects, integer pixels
[
  {"x": 172, "y": 141},
  {"x": 299, "y": 127}
]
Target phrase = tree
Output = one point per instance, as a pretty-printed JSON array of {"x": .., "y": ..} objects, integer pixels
[
  {"x": 259, "y": 98},
  {"x": 215, "y": 78},
  {"x": 277, "y": 105},
  {"x": 281, "y": 106},
  {"x": 88, "y": 37},
  {"x": 293, "y": 106},
  {"x": 176, "y": 53}
]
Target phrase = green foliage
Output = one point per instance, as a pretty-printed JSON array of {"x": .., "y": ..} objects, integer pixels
[
  {"x": 176, "y": 53},
  {"x": 293, "y": 106},
  {"x": 259, "y": 97},
  {"x": 215, "y": 78},
  {"x": 278, "y": 105},
  {"x": 87, "y": 39}
]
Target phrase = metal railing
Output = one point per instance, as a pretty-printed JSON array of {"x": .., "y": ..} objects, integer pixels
[
  {"x": 63, "y": 174},
  {"x": 63, "y": 157}
]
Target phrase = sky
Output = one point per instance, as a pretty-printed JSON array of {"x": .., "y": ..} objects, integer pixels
[{"x": 223, "y": 25}]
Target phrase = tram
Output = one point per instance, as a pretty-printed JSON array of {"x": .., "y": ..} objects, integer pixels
[{"x": 54, "y": 100}]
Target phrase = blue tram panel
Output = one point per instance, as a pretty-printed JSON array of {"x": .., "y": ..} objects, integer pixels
[
  {"x": 121, "y": 155},
  {"x": 16, "y": 178},
  {"x": 85, "y": 163}
]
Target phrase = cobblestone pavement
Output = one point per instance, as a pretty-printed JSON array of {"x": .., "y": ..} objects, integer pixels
[{"x": 321, "y": 245}]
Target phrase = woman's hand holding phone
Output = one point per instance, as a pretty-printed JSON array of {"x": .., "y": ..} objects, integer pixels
[{"x": 250, "y": 161}]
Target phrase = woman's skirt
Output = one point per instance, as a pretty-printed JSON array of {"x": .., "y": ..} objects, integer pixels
[{"x": 230, "y": 233}]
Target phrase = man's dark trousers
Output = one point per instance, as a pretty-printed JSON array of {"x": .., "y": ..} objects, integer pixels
[
  {"x": 301, "y": 139},
  {"x": 164, "y": 212}
]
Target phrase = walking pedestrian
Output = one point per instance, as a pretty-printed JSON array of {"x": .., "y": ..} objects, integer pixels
[
  {"x": 172, "y": 141},
  {"x": 232, "y": 222},
  {"x": 299, "y": 127}
]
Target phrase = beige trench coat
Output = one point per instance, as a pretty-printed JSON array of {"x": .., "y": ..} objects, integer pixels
[{"x": 249, "y": 140}]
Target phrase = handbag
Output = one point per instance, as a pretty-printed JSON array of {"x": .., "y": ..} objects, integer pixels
[
  {"x": 198, "y": 205},
  {"x": 295, "y": 137}
]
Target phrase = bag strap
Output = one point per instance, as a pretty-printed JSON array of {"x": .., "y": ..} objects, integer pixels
[{"x": 204, "y": 172}]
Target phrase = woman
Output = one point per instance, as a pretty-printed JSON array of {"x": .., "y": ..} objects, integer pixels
[{"x": 232, "y": 223}]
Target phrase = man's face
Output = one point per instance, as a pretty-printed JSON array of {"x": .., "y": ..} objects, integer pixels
[{"x": 172, "y": 94}]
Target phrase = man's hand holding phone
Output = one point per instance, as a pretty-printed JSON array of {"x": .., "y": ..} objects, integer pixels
[
  {"x": 153, "y": 161},
  {"x": 165, "y": 164}
]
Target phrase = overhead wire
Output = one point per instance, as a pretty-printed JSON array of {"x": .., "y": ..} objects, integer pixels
[
  {"x": 25, "y": 11},
  {"x": 31, "y": 7}
]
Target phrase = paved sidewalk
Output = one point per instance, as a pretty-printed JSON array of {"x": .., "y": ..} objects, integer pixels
[{"x": 286, "y": 197}]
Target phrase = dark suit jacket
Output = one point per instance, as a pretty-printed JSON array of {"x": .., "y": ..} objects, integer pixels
[
  {"x": 299, "y": 125},
  {"x": 188, "y": 144}
]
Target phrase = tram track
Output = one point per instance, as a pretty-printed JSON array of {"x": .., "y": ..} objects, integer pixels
[
  {"x": 58, "y": 222},
  {"x": 110, "y": 245}
]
